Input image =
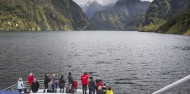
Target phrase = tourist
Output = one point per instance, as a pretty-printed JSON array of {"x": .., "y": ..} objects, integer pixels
[
  {"x": 92, "y": 86},
  {"x": 20, "y": 85},
  {"x": 70, "y": 78},
  {"x": 50, "y": 86},
  {"x": 75, "y": 85},
  {"x": 35, "y": 86},
  {"x": 84, "y": 80},
  {"x": 30, "y": 80},
  {"x": 61, "y": 84},
  {"x": 100, "y": 83},
  {"x": 109, "y": 91},
  {"x": 53, "y": 83},
  {"x": 56, "y": 82},
  {"x": 46, "y": 81}
]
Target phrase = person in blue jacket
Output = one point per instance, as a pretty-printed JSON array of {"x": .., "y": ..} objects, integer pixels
[{"x": 92, "y": 86}]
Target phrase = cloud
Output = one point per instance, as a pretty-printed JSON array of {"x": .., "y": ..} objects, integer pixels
[
  {"x": 104, "y": 2},
  {"x": 147, "y": 0}
]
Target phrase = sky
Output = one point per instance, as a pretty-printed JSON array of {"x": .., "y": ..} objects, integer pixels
[{"x": 104, "y": 2}]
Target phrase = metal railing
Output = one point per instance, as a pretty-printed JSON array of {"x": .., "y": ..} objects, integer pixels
[
  {"x": 172, "y": 86},
  {"x": 13, "y": 88},
  {"x": 26, "y": 85}
]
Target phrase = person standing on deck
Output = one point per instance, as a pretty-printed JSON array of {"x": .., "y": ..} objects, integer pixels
[
  {"x": 50, "y": 86},
  {"x": 100, "y": 83},
  {"x": 109, "y": 91},
  {"x": 61, "y": 84},
  {"x": 53, "y": 83},
  {"x": 84, "y": 80},
  {"x": 30, "y": 80},
  {"x": 75, "y": 85},
  {"x": 70, "y": 79},
  {"x": 56, "y": 82},
  {"x": 20, "y": 85},
  {"x": 35, "y": 86},
  {"x": 99, "y": 86},
  {"x": 46, "y": 81},
  {"x": 92, "y": 86}
]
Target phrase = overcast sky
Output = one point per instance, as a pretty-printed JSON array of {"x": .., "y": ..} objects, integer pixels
[{"x": 104, "y": 2}]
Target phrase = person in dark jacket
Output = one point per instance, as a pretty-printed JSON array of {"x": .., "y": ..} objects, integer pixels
[
  {"x": 92, "y": 86},
  {"x": 35, "y": 86},
  {"x": 46, "y": 81},
  {"x": 70, "y": 79},
  {"x": 61, "y": 84}
]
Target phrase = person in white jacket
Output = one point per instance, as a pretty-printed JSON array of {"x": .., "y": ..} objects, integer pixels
[{"x": 20, "y": 85}]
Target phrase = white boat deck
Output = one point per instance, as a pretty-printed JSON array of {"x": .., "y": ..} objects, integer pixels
[
  {"x": 13, "y": 88},
  {"x": 41, "y": 91}
]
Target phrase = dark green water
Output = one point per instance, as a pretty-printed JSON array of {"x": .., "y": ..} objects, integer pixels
[{"x": 130, "y": 62}]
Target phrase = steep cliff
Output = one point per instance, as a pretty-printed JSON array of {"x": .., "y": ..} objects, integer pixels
[
  {"x": 37, "y": 15},
  {"x": 168, "y": 16},
  {"x": 178, "y": 24},
  {"x": 91, "y": 7},
  {"x": 124, "y": 15}
]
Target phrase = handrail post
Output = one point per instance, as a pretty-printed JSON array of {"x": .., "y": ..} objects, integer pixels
[
  {"x": 12, "y": 88},
  {"x": 173, "y": 85}
]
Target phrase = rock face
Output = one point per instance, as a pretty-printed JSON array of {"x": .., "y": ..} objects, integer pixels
[
  {"x": 91, "y": 7},
  {"x": 168, "y": 16},
  {"x": 124, "y": 15},
  {"x": 37, "y": 15}
]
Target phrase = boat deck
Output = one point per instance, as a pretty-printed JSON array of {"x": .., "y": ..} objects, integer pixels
[{"x": 13, "y": 88}]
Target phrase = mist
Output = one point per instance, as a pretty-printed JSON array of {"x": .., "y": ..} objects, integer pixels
[{"x": 103, "y": 2}]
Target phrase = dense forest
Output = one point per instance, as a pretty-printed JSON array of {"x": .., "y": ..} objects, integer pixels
[
  {"x": 168, "y": 16},
  {"x": 38, "y": 15}
]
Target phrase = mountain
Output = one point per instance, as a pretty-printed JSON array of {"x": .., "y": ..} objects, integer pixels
[
  {"x": 168, "y": 16},
  {"x": 124, "y": 15},
  {"x": 37, "y": 15},
  {"x": 91, "y": 7},
  {"x": 178, "y": 24}
]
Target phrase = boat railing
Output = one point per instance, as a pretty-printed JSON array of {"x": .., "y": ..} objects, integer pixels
[
  {"x": 174, "y": 85},
  {"x": 26, "y": 85}
]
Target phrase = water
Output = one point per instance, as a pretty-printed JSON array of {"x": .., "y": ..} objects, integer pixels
[{"x": 130, "y": 62}]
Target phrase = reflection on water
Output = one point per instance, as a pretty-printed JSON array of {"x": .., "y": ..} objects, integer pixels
[{"x": 130, "y": 62}]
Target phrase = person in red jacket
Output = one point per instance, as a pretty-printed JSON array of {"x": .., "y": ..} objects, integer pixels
[
  {"x": 30, "y": 79},
  {"x": 75, "y": 85},
  {"x": 84, "y": 80},
  {"x": 99, "y": 84}
]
